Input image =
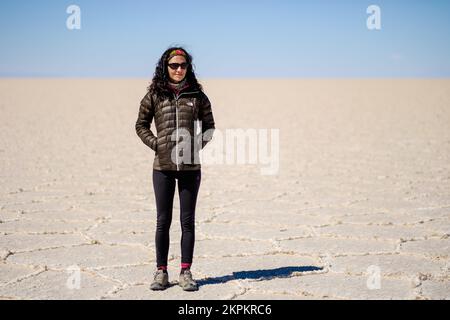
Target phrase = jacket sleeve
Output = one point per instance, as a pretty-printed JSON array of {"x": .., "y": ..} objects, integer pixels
[
  {"x": 144, "y": 120},
  {"x": 207, "y": 119}
]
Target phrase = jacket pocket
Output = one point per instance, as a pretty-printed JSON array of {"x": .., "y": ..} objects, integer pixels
[{"x": 157, "y": 148}]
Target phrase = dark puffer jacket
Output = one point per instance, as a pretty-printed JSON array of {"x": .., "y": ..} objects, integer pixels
[{"x": 173, "y": 117}]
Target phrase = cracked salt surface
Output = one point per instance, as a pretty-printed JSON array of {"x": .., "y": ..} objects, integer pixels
[{"x": 361, "y": 187}]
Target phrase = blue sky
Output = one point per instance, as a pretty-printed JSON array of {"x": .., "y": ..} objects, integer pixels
[{"x": 228, "y": 38}]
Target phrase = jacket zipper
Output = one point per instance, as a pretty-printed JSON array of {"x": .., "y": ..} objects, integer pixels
[{"x": 176, "y": 121}]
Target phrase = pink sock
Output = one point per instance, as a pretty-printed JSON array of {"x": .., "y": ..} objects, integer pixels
[{"x": 185, "y": 265}]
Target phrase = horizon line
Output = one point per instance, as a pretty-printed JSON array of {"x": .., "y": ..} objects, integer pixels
[{"x": 231, "y": 78}]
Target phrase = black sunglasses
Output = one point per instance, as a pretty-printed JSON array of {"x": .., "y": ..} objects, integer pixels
[{"x": 175, "y": 66}]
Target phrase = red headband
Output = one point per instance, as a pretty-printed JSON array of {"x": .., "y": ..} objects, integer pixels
[{"x": 176, "y": 52}]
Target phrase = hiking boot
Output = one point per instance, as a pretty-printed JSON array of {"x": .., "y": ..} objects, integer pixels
[
  {"x": 186, "y": 282},
  {"x": 161, "y": 280}
]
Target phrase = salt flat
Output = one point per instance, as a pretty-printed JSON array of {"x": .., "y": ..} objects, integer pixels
[{"x": 358, "y": 209}]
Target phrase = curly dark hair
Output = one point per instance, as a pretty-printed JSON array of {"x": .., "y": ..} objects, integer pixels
[{"x": 159, "y": 84}]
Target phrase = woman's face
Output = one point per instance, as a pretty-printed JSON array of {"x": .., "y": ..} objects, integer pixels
[{"x": 178, "y": 74}]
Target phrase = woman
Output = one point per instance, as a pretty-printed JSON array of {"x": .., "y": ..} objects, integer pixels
[{"x": 177, "y": 102}]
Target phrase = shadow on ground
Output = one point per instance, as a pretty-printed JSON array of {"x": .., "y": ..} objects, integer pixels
[{"x": 284, "y": 272}]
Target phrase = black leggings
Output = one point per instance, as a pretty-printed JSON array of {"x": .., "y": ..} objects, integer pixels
[{"x": 164, "y": 187}]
